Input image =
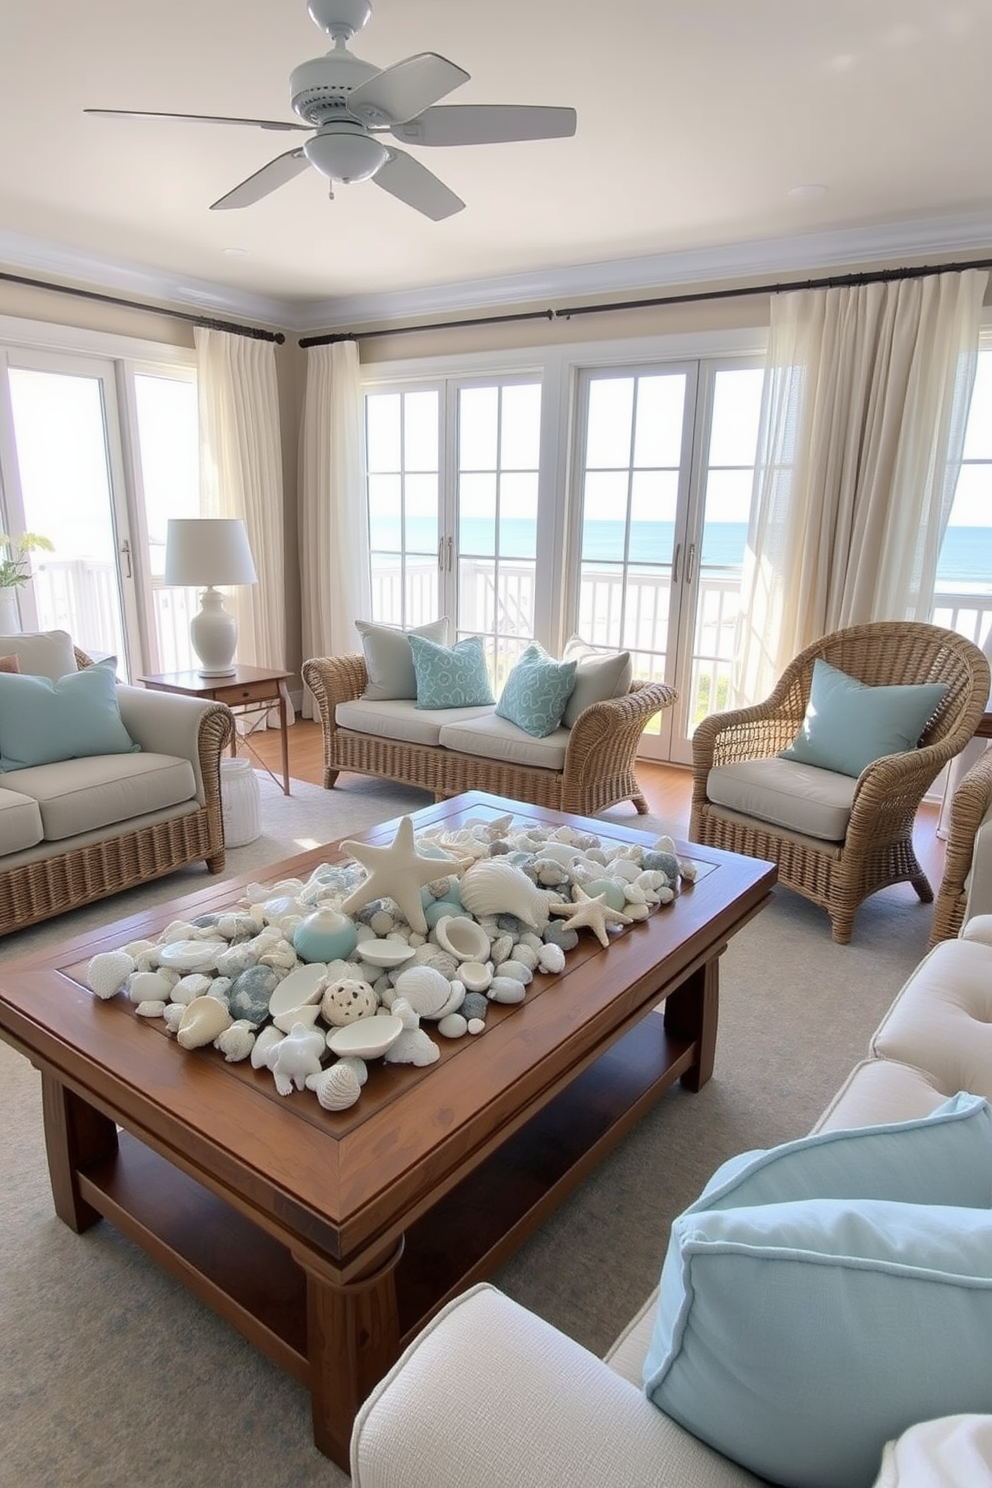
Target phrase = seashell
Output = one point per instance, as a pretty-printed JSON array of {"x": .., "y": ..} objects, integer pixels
[
  {"x": 346, "y": 1000},
  {"x": 436, "y": 956},
  {"x": 307, "y": 1015},
  {"x": 151, "y": 1008},
  {"x": 506, "y": 989},
  {"x": 237, "y": 926},
  {"x": 336, "y": 1088},
  {"x": 369, "y": 1038},
  {"x": 464, "y": 938},
  {"x": 202, "y": 1021},
  {"x": 552, "y": 959},
  {"x": 236, "y": 1042},
  {"x": 177, "y": 930},
  {"x": 280, "y": 956},
  {"x": 324, "y": 935},
  {"x": 188, "y": 987},
  {"x": 172, "y": 1016},
  {"x": 475, "y": 976},
  {"x": 518, "y": 971},
  {"x": 453, "y": 1026},
  {"x": 526, "y": 954},
  {"x": 264, "y": 1046},
  {"x": 360, "y": 1068},
  {"x": 634, "y": 894},
  {"x": 189, "y": 955},
  {"x": 108, "y": 971},
  {"x": 305, "y": 984},
  {"x": 424, "y": 988},
  {"x": 636, "y": 912},
  {"x": 148, "y": 986},
  {"x": 384, "y": 952},
  {"x": 454, "y": 1002},
  {"x": 494, "y": 886}
]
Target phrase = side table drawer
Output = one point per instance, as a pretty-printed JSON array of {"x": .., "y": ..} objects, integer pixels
[{"x": 248, "y": 692}]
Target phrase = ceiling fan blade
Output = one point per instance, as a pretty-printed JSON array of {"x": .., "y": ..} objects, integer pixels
[
  {"x": 401, "y": 92},
  {"x": 411, "y": 182},
  {"x": 195, "y": 118},
  {"x": 269, "y": 178},
  {"x": 485, "y": 124}
]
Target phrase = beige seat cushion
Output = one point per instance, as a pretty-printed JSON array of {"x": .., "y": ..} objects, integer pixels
[
  {"x": 20, "y": 822},
  {"x": 499, "y": 739},
  {"x": 83, "y": 795},
  {"x": 942, "y": 1019},
  {"x": 401, "y": 719},
  {"x": 802, "y": 798}
]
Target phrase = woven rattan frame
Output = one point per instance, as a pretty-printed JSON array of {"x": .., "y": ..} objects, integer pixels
[
  {"x": 67, "y": 880},
  {"x": 969, "y": 806},
  {"x": 878, "y": 848},
  {"x": 599, "y": 760}
]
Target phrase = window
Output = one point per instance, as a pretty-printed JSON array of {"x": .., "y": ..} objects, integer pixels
[{"x": 963, "y": 592}]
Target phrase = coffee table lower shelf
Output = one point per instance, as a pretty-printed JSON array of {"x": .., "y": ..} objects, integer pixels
[{"x": 251, "y": 1278}]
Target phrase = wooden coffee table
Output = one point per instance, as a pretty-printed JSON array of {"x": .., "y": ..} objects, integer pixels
[{"x": 329, "y": 1238}]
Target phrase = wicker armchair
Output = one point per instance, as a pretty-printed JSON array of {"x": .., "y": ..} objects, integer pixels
[
  {"x": 971, "y": 808},
  {"x": 877, "y": 849}
]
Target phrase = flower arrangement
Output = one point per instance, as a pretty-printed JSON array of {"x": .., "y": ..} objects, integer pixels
[{"x": 15, "y": 569}]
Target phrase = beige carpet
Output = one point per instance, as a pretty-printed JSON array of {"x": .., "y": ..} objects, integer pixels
[{"x": 112, "y": 1376}]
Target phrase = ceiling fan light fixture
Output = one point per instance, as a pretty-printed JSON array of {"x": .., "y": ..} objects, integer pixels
[{"x": 344, "y": 152}]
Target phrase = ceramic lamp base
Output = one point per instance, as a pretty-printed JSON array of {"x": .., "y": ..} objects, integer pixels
[{"x": 214, "y": 634}]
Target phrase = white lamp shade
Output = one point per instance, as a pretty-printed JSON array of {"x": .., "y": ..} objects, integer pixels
[{"x": 205, "y": 551}]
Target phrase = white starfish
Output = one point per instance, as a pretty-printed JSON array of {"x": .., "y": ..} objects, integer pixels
[
  {"x": 396, "y": 872},
  {"x": 589, "y": 913}
]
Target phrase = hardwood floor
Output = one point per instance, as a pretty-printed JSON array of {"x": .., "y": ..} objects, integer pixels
[{"x": 668, "y": 789}]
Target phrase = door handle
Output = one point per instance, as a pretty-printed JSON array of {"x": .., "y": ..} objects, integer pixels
[
  {"x": 675, "y": 563},
  {"x": 126, "y": 555},
  {"x": 451, "y": 548},
  {"x": 689, "y": 562}
]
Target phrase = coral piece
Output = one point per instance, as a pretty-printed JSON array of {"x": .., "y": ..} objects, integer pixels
[
  {"x": 295, "y": 1057},
  {"x": 264, "y": 1046},
  {"x": 108, "y": 971},
  {"x": 395, "y": 872},
  {"x": 346, "y": 1000},
  {"x": 236, "y": 1042}
]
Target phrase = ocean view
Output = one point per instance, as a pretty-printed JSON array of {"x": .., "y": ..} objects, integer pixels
[{"x": 966, "y": 559}]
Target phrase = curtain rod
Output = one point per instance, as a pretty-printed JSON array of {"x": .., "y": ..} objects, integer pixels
[
  {"x": 836, "y": 281},
  {"x": 254, "y": 333}
]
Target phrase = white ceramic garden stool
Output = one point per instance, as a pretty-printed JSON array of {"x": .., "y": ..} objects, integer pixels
[{"x": 240, "y": 802}]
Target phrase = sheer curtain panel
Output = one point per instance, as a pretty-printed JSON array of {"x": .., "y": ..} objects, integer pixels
[
  {"x": 334, "y": 540},
  {"x": 865, "y": 399},
  {"x": 241, "y": 476}
]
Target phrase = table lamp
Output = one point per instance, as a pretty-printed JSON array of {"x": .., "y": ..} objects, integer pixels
[{"x": 206, "y": 551}]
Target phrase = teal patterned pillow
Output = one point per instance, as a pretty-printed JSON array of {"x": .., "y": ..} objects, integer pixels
[
  {"x": 536, "y": 692},
  {"x": 450, "y": 676}
]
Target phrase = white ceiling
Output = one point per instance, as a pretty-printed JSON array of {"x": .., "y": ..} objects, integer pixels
[{"x": 697, "y": 119}]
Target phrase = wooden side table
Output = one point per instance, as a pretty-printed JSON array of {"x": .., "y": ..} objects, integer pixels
[{"x": 246, "y": 688}]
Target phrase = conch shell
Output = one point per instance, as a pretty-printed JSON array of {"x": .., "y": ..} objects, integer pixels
[{"x": 493, "y": 887}]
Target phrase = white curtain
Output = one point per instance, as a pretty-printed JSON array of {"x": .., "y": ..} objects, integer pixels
[
  {"x": 241, "y": 476},
  {"x": 865, "y": 400},
  {"x": 334, "y": 544}
]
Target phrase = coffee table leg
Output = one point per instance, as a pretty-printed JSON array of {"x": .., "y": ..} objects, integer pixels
[
  {"x": 352, "y": 1340},
  {"x": 693, "y": 1012},
  {"x": 75, "y": 1134}
]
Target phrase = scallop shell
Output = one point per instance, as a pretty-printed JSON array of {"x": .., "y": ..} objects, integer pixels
[
  {"x": 203, "y": 1020},
  {"x": 494, "y": 886},
  {"x": 108, "y": 971},
  {"x": 425, "y": 989},
  {"x": 336, "y": 1088}
]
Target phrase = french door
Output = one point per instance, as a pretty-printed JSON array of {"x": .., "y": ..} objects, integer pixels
[
  {"x": 665, "y": 472},
  {"x": 95, "y": 454}
]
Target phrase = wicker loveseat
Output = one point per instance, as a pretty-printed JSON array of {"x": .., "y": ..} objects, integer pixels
[
  {"x": 75, "y": 830},
  {"x": 590, "y": 766},
  {"x": 873, "y": 845},
  {"x": 966, "y": 887}
]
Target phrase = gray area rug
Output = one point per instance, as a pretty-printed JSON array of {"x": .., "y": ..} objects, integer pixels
[{"x": 113, "y": 1376}]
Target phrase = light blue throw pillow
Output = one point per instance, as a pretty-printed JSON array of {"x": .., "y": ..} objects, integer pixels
[
  {"x": 43, "y": 721},
  {"x": 536, "y": 691},
  {"x": 450, "y": 676},
  {"x": 943, "y": 1159},
  {"x": 798, "y": 1338},
  {"x": 847, "y": 724}
]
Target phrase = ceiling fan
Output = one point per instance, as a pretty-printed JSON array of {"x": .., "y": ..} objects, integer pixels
[{"x": 346, "y": 103}]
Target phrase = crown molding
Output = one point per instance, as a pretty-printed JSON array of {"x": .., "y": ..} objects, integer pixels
[{"x": 967, "y": 233}]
